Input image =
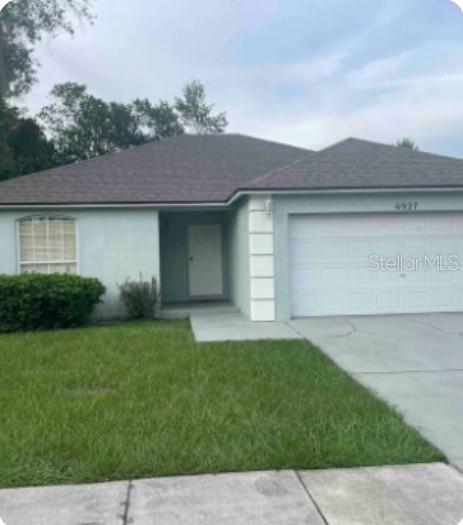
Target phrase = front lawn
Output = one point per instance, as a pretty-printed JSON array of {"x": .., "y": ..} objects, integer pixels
[{"x": 143, "y": 399}]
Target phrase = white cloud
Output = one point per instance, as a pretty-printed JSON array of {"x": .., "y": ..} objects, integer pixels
[
  {"x": 459, "y": 3},
  {"x": 378, "y": 71},
  {"x": 423, "y": 116},
  {"x": 303, "y": 73},
  {"x": 3, "y": 3}
]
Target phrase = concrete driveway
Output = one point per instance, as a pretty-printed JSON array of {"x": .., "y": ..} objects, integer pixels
[{"x": 415, "y": 362}]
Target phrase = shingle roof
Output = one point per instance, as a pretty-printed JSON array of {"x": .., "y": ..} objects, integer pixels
[
  {"x": 360, "y": 164},
  {"x": 184, "y": 169},
  {"x": 211, "y": 168}
]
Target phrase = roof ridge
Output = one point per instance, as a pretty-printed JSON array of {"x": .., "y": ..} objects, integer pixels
[
  {"x": 273, "y": 172},
  {"x": 269, "y": 141},
  {"x": 390, "y": 147}
]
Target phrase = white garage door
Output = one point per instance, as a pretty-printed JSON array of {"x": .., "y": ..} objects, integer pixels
[{"x": 334, "y": 263}]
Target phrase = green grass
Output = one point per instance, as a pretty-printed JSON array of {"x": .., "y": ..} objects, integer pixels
[{"x": 143, "y": 399}]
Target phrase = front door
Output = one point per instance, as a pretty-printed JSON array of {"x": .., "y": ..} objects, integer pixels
[{"x": 205, "y": 260}]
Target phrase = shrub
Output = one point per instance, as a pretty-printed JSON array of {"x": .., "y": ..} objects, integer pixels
[
  {"x": 140, "y": 298},
  {"x": 40, "y": 302}
]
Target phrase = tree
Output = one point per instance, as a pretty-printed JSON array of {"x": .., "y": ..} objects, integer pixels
[
  {"x": 23, "y": 145},
  {"x": 83, "y": 126},
  {"x": 24, "y": 148},
  {"x": 407, "y": 143},
  {"x": 195, "y": 114},
  {"x": 22, "y": 24},
  {"x": 160, "y": 121}
]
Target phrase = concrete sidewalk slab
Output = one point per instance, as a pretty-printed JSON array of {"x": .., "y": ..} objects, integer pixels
[
  {"x": 267, "y": 498},
  {"x": 430, "y": 494},
  {"x": 397, "y": 495},
  {"x": 233, "y": 326},
  {"x": 96, "y": 504}
]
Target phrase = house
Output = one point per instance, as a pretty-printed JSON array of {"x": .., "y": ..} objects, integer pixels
[{"x": 279, "y": 231}]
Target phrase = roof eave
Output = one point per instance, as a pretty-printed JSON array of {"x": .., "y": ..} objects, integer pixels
[{"x": 233, "y": 197}]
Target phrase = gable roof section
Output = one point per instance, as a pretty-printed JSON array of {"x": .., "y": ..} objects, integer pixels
[
  {"x": 184, "y": 169},
  {"x": 360, "y": 164},
  {"x": 211, "y": 168}
]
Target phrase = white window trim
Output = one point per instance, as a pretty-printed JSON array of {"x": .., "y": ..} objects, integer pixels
[{"x": 20, "y": 263}]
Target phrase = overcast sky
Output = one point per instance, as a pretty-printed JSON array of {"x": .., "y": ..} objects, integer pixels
[{"x": 305, "y": 72}]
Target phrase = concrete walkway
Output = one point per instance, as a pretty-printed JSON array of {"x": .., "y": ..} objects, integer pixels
[
  {"x": 233, "y": 326},
  {"x": 398, "y": 495}
]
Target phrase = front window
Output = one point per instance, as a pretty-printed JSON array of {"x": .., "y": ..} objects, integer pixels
[{"x": 47, "y": 245}]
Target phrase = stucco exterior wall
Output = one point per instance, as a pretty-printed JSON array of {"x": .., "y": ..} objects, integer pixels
[
  {"x": 286, "y": 205},
  {"x": 113, "y": 245},
  {"x": 239, "y": 257}
]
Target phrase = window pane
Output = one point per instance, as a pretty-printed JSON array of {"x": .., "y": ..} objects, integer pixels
[
  {"x": 69, "y": 226},
  {"x": 39, "y": 229},
  {"x": 27, "y": 247},
  {"x": 55, "y": 241},
  {"x": 63, "y": 268},
  {"x": 70, "y": 248},
  {"x": 48, "y": 240},
  {"x": 27, "y": 268},
  {"x": 25, "y": 227},
  {"x": 42, "y": 268},
  {"x": 34, "y": 268}
]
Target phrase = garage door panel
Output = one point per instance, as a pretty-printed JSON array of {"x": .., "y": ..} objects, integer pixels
[
  {"x": 331, "y": 272},
  {"x": 387, "y": 301},
  {"x": 443, "y": 299}
]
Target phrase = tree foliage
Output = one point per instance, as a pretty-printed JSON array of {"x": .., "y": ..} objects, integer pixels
[
  {"x": 158, "y": 121},
  {"x": 407, "y": 143},
  {"x": 24, "y": 148},
  {"x": 196, "y": 114},
  {"x": 22, "y": 24},
  {"x": 83, "y": 126}
]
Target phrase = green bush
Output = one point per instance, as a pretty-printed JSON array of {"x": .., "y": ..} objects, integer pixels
[
  {"x": 140, "y": 298},
  {"x": 40, "y": 302}
]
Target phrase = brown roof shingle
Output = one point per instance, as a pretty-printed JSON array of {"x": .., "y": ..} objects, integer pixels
[
  {"x": 211, "y": 168},
  {"x": 184, "y": 169},
  {"x": 360, "y": 164}
]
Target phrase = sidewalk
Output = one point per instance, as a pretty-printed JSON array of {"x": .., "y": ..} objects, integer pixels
[{"x": 392, "y": 495}]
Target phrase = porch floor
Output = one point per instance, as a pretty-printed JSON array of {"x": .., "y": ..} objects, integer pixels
[
  {"x": 234, "y": 326},
  {"x": 185, "y": 310}
]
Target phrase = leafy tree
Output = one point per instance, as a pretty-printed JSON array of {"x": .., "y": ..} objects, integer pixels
[
  {"x": 22, "y": 24},
  {"x": 24, "y": 148},
  {"x": 84, "y": 126},
  {"x": 160, "y": 121},
  {"x": 195, "y": 114},
  {"x": 407, "y": 143},
  {"x": 6, "y": 159},
  {"x": 23, "y": 145}
]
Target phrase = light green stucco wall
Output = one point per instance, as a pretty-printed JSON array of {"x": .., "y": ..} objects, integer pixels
[
  {"x": 113, "y": 245},
  {"x": 239, "y": 257},
  {"x": 174, "y": 251},
  {"x": 284, "y": 206}
]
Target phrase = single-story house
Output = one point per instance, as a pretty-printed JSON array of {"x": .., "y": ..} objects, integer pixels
[{"x": 278, "y": 231}]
